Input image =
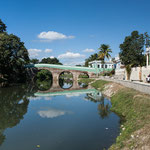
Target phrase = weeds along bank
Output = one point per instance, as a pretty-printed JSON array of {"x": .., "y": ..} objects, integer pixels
[{"x": 134, "y": 107}]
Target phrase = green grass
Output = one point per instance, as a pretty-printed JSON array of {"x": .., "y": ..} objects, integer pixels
[
  {"x": 86, "y": 80},
  {"x": 135, "y": 107},
  {"x": 131, "y": 105},
  {"x": 99, "y": 84}
]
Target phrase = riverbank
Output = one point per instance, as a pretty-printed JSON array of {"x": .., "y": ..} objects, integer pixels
[{"x": 134, "y": 107}]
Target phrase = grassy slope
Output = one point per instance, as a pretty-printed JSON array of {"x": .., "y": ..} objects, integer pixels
[{"x": 134, "y": 107}]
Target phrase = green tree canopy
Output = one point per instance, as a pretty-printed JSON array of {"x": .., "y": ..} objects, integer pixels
[
  {"x": 131, "y": 50},
  {"x": 13, "y": 106},
  {"x": 50, "y": 61},
  {"x": 2, "y": 27},
  {"x": 91, "y": 58},
  {"x": 13, "y": 56},
  {"x": 34, "y": 61}
]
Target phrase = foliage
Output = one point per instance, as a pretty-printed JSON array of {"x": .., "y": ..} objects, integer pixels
[
  {"x": 136, "y": 111},
  {"x": 104, "y": 109},
  {"x": 13, "y": 106},
  {"x": 133, "y": 106},
  {"x": 65, "y": 83},
  {"x": 131, "y": 50},
  {"x": 104, "y": 52},
  {"x": 86, "y": 80},
  {"x": 109, "y": 73},
  {"x": 91, "y": 58},
  {"x": 65, "y": 75},
  {"x": 44, "y": 75},
  {"x": 34, "y": 61},
  {"x": 83, "y": 76},
  {"x": 50, "y": 61},
  {"x": 43, "y": 80},
  {"x": 2, "y": 27},
  {"x": 43, "y": 85},
  {"x": 99, "y": 84},
  {"x": 13, "y": 57}
]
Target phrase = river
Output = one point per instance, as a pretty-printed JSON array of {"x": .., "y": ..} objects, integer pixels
[{"x": 56, "y": 118}]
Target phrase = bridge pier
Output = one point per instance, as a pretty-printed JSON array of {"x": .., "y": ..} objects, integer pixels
[
  {"x": 75, "y": 75},
  {"x": 55, "y": 76}
]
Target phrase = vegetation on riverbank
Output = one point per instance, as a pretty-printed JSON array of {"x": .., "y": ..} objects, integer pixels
[
  {"x": 133, "y": 106},
  {"x": 86, "y": 80}
]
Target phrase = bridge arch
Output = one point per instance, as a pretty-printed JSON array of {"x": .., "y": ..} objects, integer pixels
[{"x": 66, "y": 79}]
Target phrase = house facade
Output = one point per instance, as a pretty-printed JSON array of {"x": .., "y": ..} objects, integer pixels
[{"x": 107, "y": 66}]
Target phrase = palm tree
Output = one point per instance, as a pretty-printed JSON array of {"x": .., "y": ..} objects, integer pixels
[{"x": 104, "y": 53}]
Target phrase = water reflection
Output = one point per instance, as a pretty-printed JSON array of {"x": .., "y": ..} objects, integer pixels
[
  {"x": 43, "y": 85},
  {"x": 83, "y": 85},
  {"x": 52, "y": 113},
  {"x": 65, "y": 83},
  {"x": 104, "y": 109},
  {"x": 103, "y": 106},
  {"x": 56, "y": 114},
  {"x": 91, "y": 94},
  {"x": 13, "y": 106}
]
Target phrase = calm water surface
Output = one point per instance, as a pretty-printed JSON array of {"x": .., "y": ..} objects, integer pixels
[{"x": 78, "y": 119}]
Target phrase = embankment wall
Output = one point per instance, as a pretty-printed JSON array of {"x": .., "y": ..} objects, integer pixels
[{"x": 139, "y": 86}]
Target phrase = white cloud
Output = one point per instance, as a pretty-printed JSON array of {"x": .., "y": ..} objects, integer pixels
[
  {"x": 74, "y": 62},
  {"x": 51, "y": 113},
  {"x": 89, "y": 50},
  {"x": 52, "y": 57},
  {"x": 48, "y": 50},
  {"x": 52, "y": 35},
  {"x": 34, "y": 52},
  {"x": 70, "y": 55}
]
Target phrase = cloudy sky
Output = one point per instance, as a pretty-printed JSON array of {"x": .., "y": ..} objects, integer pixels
[{"x": 71, "y": 30}]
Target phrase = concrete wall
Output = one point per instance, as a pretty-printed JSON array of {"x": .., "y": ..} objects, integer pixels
[
  {"x": 135, "y": 74},
  {"x": 139, "y": 86},
  {"x": 120, "y": 74},
  {"x": 144, "y": 71}
]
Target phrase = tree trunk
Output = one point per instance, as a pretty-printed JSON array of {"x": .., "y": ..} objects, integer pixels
[
  {"x": 140, "y": 73},
  {"x": 128, "y": 69}
]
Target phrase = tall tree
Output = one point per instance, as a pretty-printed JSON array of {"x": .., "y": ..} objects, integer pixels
[
  {"x": 2, "y": 26},
  {"x": 104, "y": 53},
  {"x": 131, "y": 51},
  {"x": 13, "y": 56},
  {"x": 91, "y": 58}
]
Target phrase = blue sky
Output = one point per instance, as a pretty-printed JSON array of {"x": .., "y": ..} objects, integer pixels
[{"x": 72, "y": 30}]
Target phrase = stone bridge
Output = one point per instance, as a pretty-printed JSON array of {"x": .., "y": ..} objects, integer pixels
[{"x": 56, "y": 70}]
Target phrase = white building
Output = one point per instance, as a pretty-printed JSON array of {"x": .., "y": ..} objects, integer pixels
[
  {"x": 148, "y": 57},
  {"x": 118, "y": 64},
  {"x": 100, "y": 65}
]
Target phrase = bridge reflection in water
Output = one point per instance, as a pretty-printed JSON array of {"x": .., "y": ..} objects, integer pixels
[{"x": 75, "y": 88}]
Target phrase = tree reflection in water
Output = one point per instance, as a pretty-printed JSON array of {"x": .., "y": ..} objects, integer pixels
[
  {"x": 103, "y": 108},
  {"x": 13, "y": 106},
  {"x": 65, "y": 83},
  {"x": 43, "y": 85},
  {"x": 83, "y": 85}
]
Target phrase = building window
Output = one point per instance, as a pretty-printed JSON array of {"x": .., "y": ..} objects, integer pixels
[
  {"x": 105, "y": 66},
  {"x": 98, "y": 66},
  {"x": 102, "y": 66}
]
